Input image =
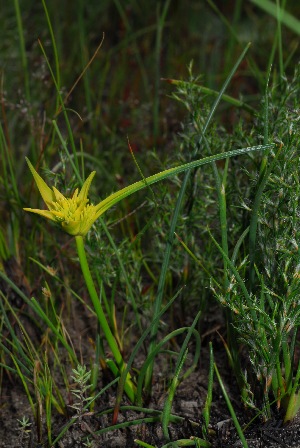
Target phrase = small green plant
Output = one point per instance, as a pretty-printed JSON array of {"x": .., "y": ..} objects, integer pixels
[
  {"x": 82, "y": 399},
  {"x": 260, "y": 282},
  {"x": 263, "y": 294},
  {"x": 89, "y": 443},
  {"x": 25, "y": 430},
  {"x": 82, "y": 379}
]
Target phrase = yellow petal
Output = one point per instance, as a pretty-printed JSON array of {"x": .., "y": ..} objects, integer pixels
[
  {"x": 58, "y": 195},
  {"x": 46, "y": 192},
  {"x": 58, "y": 215},
  {"x": 75, "y": 194},
  {"x": 45, "y": 213},
  {"x": 85, "y": 187}
]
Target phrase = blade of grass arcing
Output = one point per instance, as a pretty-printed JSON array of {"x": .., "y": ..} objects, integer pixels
[
  {"x": 279, "y": 13},
  {"x": 114, "y": 198},
  {"x": 170, "y": 237},
  {"x": 155, "y": 417},
  {"x": 93, "y": 212},
  {"x": 175, "y": 380},
  {"x": 231, "y": 410},
  {"x": 128, "y": 424},
  {"x": 158, "y": 349}
]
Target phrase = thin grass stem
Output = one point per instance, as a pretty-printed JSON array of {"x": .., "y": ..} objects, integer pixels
[
  {"x": 128, "y": 387},
  {"x": 231, "y": 410}
]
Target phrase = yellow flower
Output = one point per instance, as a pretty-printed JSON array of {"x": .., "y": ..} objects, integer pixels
[{"x": 75, "y": 215}]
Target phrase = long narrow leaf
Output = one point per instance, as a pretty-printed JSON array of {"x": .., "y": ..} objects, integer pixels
[
  {"x": 231, "y": 410},
  {"x": 285, "y": 17},
  {"x": 127, "y": 191}
]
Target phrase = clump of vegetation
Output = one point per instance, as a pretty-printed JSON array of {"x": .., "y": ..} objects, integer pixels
[{"x": 98, "y": 304}]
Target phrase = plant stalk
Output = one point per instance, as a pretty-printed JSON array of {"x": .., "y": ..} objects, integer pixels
[{"x": 129, "y": 386}]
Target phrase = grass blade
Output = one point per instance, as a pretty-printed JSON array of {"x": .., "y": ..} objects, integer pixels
[
  {"x": 231, "y": 410},
  {"x": 285, "y": 17}
]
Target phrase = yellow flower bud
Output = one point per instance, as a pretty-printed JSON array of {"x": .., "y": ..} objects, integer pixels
[{"x": 75, "y": 215}]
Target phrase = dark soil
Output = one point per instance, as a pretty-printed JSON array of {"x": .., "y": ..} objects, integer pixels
[{"x": 188, "y": 403}]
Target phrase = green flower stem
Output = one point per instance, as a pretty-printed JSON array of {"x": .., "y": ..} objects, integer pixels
[{"x": 129, "y": 387}]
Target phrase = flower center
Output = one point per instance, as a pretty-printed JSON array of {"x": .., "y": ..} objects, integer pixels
[{"x": 69, "y": 209}]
